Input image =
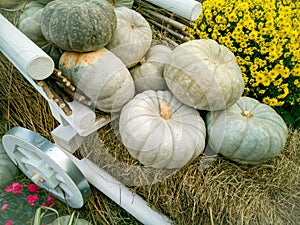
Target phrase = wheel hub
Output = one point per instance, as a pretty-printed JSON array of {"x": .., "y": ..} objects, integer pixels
[{"x": 46, "y": 165}]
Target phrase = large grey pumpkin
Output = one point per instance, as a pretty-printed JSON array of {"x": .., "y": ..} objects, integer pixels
[
  {"x": 132, "y": 38},
  {"x": 204, "y": 74},
  {"x": 248, "y": 132},
  {"x": 8, "y": 169},
  {"x": 78, "y": 25},
  {"x": 101, "y": 76},
  {"x": 149, "y": 74},
  {"x": 160, "y": 131}
]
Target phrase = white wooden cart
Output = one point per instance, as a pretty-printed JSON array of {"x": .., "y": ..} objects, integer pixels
[{"x": 52, "y": 165}]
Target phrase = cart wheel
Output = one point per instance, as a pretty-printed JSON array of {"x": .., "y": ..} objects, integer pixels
[{"x": 47, "y": 166}]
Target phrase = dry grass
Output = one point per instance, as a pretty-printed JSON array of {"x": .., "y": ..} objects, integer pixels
[{"x": 223, "y": 193}]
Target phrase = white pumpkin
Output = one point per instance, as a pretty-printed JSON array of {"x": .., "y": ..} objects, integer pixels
[
  {"x": 160, "y": 131},
  {"x": 132, "y": 38},
  {"x": 149, "y": 75},
  {"x": 101, "y": 75},
  {"x": 204, "y": 74}
]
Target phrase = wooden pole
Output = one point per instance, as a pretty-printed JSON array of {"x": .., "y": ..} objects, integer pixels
[
  {"x": 168, "y": 20},
  {"x": 26, "y": 56},
  {"x": 189, "y": 9},
  {"x": 174, "y": 33}
]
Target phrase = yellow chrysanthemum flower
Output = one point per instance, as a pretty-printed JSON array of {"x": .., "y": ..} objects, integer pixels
[{"x": 264, "y": 36}]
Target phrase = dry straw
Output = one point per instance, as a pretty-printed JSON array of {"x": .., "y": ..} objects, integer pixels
[{"x": 222, "y": 193}]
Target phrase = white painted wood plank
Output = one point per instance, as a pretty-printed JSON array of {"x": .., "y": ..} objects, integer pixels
[{"x": 119, "y": 193}]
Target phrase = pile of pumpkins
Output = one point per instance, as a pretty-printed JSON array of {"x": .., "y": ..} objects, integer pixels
[{"x": 108, "y": 53}]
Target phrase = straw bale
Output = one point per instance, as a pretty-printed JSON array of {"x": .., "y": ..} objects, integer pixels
[{"x": 220, "y": 192}]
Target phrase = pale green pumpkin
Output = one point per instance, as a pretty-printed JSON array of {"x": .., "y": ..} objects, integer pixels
[
  {"x": 8, "y": 169},
  {"x": 248, "y": 132},
  {"x": 204, "y": 74},
  {"x": 101, "y": 75},
  {"x": 30, "y": 23},
  {"x": 132, "y": 38},
  {"x": 160, "y": 131},
  {"x": 148, "y": 75}
]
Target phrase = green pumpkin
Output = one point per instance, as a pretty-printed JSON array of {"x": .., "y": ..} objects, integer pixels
[
  {"x": 8, "y": 169},
  {"x": 160, "y": 131},
  {"x": 248, "y": 132},
  {"x": 204, "y": 74},
  {"x": 78, "y": 25}
]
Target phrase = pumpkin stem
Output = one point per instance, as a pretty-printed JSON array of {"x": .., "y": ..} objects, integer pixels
[
  {"x": 143, "y": 60},
  {"x": 247, "y": 114},
  {"x": 165, "y": 110},
  {"x": 113, "y": 2}
]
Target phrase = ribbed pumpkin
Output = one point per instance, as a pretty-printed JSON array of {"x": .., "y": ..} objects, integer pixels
[
  {"x": 248, "y": 132},
  {"x": 149, "y": 74},
  {"x": 8, "y": 169},
  {"x": 78, "y": 25},
  {"x": 132, "y": 38},
  {"x": 160, "y": 131},
  {"x": 204, "y": 74},
  {"x": 30, "y": 23},
  {"x": 101, "y": 76}
]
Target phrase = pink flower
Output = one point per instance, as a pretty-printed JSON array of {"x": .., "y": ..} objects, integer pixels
[
  {"x": 9, "y": 222},
  {"x": 4, "y": 207},
  {"x": 33, "y": 188},
  {"x": 16, "y": 188},
  {"x": 49, "y": 200},
  {"x": 8, "y": 189},
  {"x": 31, "y": 199}
]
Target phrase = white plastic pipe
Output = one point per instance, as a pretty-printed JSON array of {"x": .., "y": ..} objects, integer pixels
[
  {"x": 27, "y": 57},
  {"x": 189, "y": 9},
  {"x": 119, "y": 193}
]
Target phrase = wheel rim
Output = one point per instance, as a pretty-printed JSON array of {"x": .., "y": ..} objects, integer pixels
[{"x": 47, "y": 166}]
